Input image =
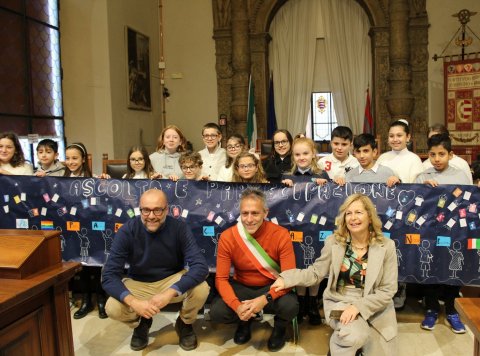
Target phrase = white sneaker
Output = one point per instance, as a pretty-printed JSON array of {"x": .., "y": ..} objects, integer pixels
[{"x": 400, "y": 297}]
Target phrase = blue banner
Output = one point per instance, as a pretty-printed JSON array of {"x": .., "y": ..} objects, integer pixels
[{"x": 436, "y": 230}]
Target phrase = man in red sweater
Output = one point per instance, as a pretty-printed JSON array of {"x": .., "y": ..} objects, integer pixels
[{"x": 258, "y": 250}]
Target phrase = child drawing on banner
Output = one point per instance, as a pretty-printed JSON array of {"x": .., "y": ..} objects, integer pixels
[
  {"x": 308, "y": 251},
  {"x": 215, "y": 241},
  {"x": 62, "y": 239},
  {"x": 304, "y": 156},
  {"x": 399, "y": 253},
  {"x": 426, "y": 258},
  {"x": 457, "y": 260},
  {"x": 108, "y": 239},
  {"x": 84, "y": 244}
]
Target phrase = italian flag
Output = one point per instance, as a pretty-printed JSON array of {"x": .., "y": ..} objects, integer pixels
[{"x": 474, "y": 244}]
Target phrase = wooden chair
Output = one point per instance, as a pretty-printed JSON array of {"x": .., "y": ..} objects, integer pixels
[
  {"x": 116, "y": 168},
  {"x": 263, "y": 148}
]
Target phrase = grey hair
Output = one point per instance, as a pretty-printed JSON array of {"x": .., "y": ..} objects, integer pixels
[{"x": 252, "y": 193}]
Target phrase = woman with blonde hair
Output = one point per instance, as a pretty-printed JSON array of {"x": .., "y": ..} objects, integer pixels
[
  {"x": 361, "y": 265},
  {"x": 247, "y": 169}
]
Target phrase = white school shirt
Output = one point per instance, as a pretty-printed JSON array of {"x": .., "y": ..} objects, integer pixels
[
  {"x": 138, "y": 175},
  {"x": 405, "y": 164},
  {"x": 455, "y": 162},
  {"x": 212, "y": 162},
  {"x": 25, "y": 169},
  {"x": 336, "y": 168}
]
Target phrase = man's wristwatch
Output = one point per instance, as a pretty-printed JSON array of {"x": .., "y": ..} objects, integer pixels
[{"x": 269, "y": 297}]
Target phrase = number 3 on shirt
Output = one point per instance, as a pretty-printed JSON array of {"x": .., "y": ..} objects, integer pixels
[{"x": 328, "y": 165}]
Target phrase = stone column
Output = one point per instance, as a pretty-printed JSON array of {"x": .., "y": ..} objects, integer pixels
[
  {"x": 240, "y": 64},
  {"x": 400, "y": 101}
]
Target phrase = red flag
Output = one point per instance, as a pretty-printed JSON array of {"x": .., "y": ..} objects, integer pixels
[{"x": 368, "y": 119}]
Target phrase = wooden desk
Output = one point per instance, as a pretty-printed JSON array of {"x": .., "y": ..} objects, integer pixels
[{"x": 469, "y": 310}]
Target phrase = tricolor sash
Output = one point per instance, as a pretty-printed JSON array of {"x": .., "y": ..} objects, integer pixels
[{"x": 257, "y": 255}]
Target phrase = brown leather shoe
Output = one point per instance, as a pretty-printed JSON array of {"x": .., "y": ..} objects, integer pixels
[{"x": 186, "y": 336}]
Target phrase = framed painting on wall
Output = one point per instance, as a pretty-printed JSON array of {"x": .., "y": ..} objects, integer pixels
[{"x": 138, "y": 52}]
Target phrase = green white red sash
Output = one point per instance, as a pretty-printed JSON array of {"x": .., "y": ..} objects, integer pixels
[{"x": 257, "y": 255}]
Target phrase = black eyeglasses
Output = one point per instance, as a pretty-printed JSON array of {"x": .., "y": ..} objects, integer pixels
[
  {"x": 136, "y": 160},
  {"x": 280, "y": 143},
  {"x": 156, "y": 211}
]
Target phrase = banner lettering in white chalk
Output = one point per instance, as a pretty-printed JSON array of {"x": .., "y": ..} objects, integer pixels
[{"x": 435, "y": 229}]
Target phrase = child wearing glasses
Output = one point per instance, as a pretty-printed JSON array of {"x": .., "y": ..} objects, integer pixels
[
  {"x": 213, "y": 155},
  {"x": 191, "y": 165},
  {"x": 235, "y": 145},
  {"x": 171, "y": 144},
  {"x": 280, "y": 161},
  {"x": 139, "y": 165},
  {"x": 247, "y": 169}
]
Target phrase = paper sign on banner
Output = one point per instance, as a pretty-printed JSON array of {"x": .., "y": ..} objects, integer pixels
[
  {"x": 23, "y": 196},
  {"x": 22, "y": 223},
  {"x": 55, "y": 197},
  {"x": 73, "y": 210},
  {"x": 16, "y": 199},
  {"x": 457, "y": 192},
  {"x": 85, "y": 203},
  {"x": 130, "y": 213},
  {"x": 98, "y": 225},
  {"x": 210, "y": 216},
  {"x": 43, "y": 211},
  {"x": 73, "y": 225},
  {"x": 208, "y": 231},
  {"x": 412, "y": 239},
  {"x": 463, "y": 222},
  {"x": 420, "y": 221},
  {"x": 419, "y": 201},
  {"x": 322, "y": 221},
  {"x": 472, "y": 208},
  {"x": 314, "y": 218},
  {"x": 399, "y": 215},
  {"x": 467, "y": 195},
  {"x": 6, "y": 208},
  {"x": 6, "y": 198},
  {"x": 184, "y": 213},
  {"x": 219, "y": 221},
  {"x": 300, "y": 216},
  {"x": 118, "y": 212},
  {"x": 388, "y": 225},
  {"x": 46, "y": 197},
  {"x": 453, "y": 205},
  {"x": 386, "y": 234},
  {"x": 117, "y": 226},
  {"x": 296, "y": 236},
  {"x": 444, "y": 241},
  {"x": 136, "y": 210},
  {"x": 93, "y": 201},
  {"x": 322, "y": 235},
  {"x": 451, "y": 222}
]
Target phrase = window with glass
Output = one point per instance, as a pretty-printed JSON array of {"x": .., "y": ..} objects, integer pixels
[
  {"x": 30, "y": 74},
  {"x": 323, "y": 119}
]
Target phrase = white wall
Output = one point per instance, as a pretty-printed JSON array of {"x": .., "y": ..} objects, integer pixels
[
  {"x": 190, "y": 52},
  {"x": 442, "y": 28},
  {"x": 86, "y": 79}
]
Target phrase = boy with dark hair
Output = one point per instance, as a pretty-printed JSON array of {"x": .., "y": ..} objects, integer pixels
[
  {"x": 48, "y": 164},
  {"x": 440, "y": 153},
  {"x": 213, "y": 155},
  {"x": 339, "y": 162},
  {"x": 369, "y": 171}
]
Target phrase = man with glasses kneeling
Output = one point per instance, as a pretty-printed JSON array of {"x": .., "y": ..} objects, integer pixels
[{"x": 157, "y": 248}]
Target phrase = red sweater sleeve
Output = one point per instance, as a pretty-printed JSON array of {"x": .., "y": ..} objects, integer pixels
[{"x": 224, "y": 262}]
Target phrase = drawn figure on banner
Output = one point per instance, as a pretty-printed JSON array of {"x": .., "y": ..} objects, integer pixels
[
  {"x": 34, "y": 227},
  {"x": 215, "y": 241},
  {"x": 175, "y": 211},
  {"x": 478, "y": 253},
  {"x": 108, "y": 239},
  {"x": 426, "y": 258},
  {"x": 308, "y": 251},
  {"x": 62, "y": 239},
  {"x": 84, "y": 244},
  {"x": 456, "y": 263},
  {"x": 399, "y": 253}
]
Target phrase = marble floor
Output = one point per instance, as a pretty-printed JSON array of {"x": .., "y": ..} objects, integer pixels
[{"x": 94, "y": 336}]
